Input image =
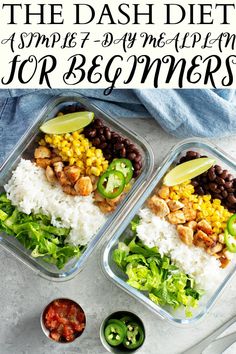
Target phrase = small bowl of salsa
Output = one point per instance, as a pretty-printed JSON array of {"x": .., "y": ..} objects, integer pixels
[{"x": 63, "y": 320}]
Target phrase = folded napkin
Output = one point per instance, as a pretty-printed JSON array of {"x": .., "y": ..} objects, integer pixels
[{"x": 183, "y": 113}]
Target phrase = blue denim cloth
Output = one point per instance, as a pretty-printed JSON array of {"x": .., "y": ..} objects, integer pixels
[{"x": 183, "y": 113}]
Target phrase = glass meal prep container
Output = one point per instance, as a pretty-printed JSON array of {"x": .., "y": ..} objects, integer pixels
[
  {"x": 25, "y": 149},
  {"x": 116, "y": 275}
]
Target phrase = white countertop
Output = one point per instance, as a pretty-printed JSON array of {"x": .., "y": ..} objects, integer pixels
[{"x": 24, "y": 294}]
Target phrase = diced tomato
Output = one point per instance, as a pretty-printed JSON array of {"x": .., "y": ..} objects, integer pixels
[
  {"x": 64, "y": 319},
  {"x": 55, "y": 335}
]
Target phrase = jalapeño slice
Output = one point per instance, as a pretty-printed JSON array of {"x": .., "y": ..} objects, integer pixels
[
  {"x": 134, "y": 337},
  {"x": 124, "y": 166},
  {"x": 115, "y": 332},
  {"x": 230, "y": 242},
  {"x": 111, "y": 184},
  {"x": 231, "y": 225}
]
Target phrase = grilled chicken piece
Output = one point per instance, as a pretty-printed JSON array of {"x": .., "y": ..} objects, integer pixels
[
  {"x": 205, "y": 238},
  {"x": 224, "y": 262},
  {"x": 228, "y": 254},
  {"x": 42, "y": 152},
  {"x": 158, "y": 206},
  {"x": 175, "y": 205},
  {"x": 73, "y": 173},
  {"x": 94, "y": 181},
  {"x": 84, "y": 186},
  {"x": 164, "y": 192},
  {"x": 105, "y": 207},
  {"x": 63, "y": 180},
  {"x": 69, "y": 190},
  {"x": 51, "y": 177},
  {"x": 56, "y": 159},
  {"x": 198, "y": 242},
  {"x": 114, "y": 201},
  {"x": 185, "y": 234},
  {"x": 97, "y": 197},
  {"x": 58, "y": 167},
  {"x": 192, "y": 224},
  {"x": 205, "y": 226},
  {"x": 177, "y": 217},
  {"x": 43, "y": 163},
  {"x": 215, "y": 249},
  {"x": 190, "y": 213},
  {"x": 221, "y": 238}
]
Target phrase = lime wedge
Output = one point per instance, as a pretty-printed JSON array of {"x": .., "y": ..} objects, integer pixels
[
  {"x": 188, "y": 170},
  {"x": 67, "y": 123}
]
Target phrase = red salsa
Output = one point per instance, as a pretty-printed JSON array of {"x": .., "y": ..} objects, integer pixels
[{"x": 64, "y": 319}]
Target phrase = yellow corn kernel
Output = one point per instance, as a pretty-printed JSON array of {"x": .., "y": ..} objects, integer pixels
[
  {"x": 176, "y": 197},
  {"x": 48, "y": 139},
  {"x": 79, "y": 163},
  {"x": 75, "y": 135},
  {"x": 71, "y": 161},
  {"x": 95, "y": 171},
  {"x": 216, "y": 201},
  {"x": 89, "y": 162},
  {"x": 90, "y": 153},
  {"x": 175, "y": 188},
  {"x": 98, "y": 153}
]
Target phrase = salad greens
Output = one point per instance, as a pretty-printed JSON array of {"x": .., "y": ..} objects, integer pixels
[
  {"x": 36, "y": 233},
  {"x": 148, "y": 270}
]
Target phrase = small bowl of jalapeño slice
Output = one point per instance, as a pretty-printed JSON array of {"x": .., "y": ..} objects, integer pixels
[{"x": 122, "y": 332}]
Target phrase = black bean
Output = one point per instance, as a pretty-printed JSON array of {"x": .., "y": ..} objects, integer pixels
[
  {"x": 100, "y": 131},
  {"x": 103, "y": 145},
  {"x": 96, "y": 142},
  {"x": 118, "y": 146},
  {"x": 137, "y": 166},
  {"x": 224, "y": 194},
  {"x": 107, "y": 133},
  {"x": 131, "y": 156},
  {"x": 218, "y": 170},
  {"x": 123, "y": 152},
  {"x": 218, "y": 196},
  {"x": 204, "y": 180},
  {"x": 103, "y": 139},
  {"x": 228, "y": 184},
  {"x": 213, "y": 186},
  {"x": 195, "y": 183},
  {"x": 138, "y": 158},
  {"x": 212, "y": 176},
  {"x": 229, "y": 177},
  {"x": 222, "y": 188},
  {"x": 231, "y": 198},
  {"x": 98, "y": 122},
  {"x": 191, "y": 154},
  {"x": 200, "y": 190},
  {"x": 224, "y": 174},
  {"x": 231, "y": 190},
  {"x": 92, "y": 133},
  {"x": 182, "y": 160},
  {"x": 220, "y": 181}
]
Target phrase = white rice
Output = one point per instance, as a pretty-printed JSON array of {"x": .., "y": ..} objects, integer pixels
[
  {"x": 29, "y": 190},
  {"x": 154, "y": 231}
]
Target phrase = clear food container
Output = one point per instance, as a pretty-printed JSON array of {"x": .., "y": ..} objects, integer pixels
[
  {"x": 115, "y": 274},
  {"x": 25, "y": 149}
]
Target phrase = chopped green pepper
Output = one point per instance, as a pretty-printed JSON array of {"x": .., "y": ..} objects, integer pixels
[
  {"x": 134, "y": 337},
  {"x": 124, "y": 166},
  {"x": 115, "y": 332},
  {"x": 111, "y": 184},
  {"x": 230, "y": 242},
  {"x": 231, "y": 225}
]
